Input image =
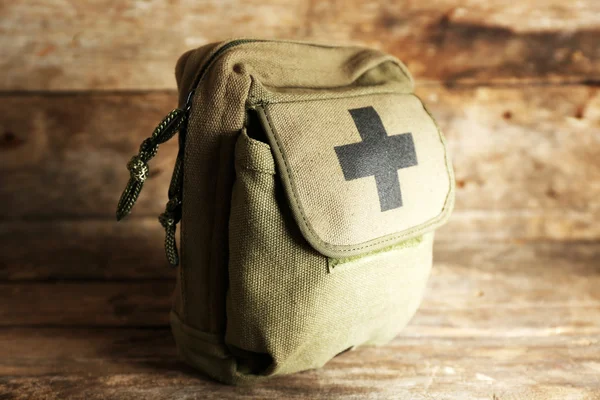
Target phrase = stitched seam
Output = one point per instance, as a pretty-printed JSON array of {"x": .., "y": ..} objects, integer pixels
[
  {"x": 182, "y": 236},
  {"x": 443, "y": 213},
  {"x": 383, "y": 58},
  {"x": 182, "y": 274},
  {"x": 338, "y": 96},
  {"x": 212, "y": 264},
  {"x": 396, "y": 62}
]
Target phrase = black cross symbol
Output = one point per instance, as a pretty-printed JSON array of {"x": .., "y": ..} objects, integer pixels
[{"x": 377, "y": 155}]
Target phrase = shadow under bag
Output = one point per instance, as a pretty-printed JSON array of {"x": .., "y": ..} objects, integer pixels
[{"x": 309, "y": 182}]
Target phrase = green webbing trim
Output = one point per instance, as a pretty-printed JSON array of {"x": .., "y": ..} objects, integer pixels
[{"x": 332, "y": 263}]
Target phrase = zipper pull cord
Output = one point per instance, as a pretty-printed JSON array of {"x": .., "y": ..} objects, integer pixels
[
  {"x": 172, "y": 215},
  {"x": 173, "y": 212},
  {"x": 138, "y": 165}
]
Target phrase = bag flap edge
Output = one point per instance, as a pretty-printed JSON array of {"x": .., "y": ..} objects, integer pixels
[{"x": 341, "y": 251}]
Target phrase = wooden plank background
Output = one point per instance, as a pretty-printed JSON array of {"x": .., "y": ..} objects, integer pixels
[
  {"x": 512, "y": 309},
  {"x": 112, "y": 44}
]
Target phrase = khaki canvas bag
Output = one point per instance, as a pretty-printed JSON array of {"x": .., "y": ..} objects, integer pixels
[{"x": 309, "y": 182}]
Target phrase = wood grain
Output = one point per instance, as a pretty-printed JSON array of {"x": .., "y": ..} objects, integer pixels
[
  {"x": 481, "y": 289},
  {"x": 526, "y": 151},
  {"x": 512, "y": 309},
  {"x": 131, "y": 364},
  {"x": 88, "y": 250},
  {"x": 500, "y": 289},
  {"x": 86, "y": 303},
  {"x": 530, "y": 148},
  {"x": 108, "y": 44},
  {"x": 473, "y": 41},
  {"x": 518, "y": 226},
  {"x": 66, "y": 155},
  {"x": 83, "y": 250}
]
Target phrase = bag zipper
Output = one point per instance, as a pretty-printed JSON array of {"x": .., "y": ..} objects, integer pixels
[{"x": 175, "y": 121}]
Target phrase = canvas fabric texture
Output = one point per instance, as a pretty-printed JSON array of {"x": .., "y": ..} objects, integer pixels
[
  {"x": 298, "y": 242},
  {"x": 332, "y": 218}
]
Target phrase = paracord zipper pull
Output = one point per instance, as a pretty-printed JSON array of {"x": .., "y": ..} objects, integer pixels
[
  {"x": 138, "y": 165},
  {"x": 172, "y": 215}
]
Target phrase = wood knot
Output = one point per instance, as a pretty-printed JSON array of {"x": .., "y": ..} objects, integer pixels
[{"x": 8, "y": 140}]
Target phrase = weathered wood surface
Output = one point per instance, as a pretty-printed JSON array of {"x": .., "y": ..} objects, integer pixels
[
  {"x": 524, "y": 154},
  {"x": 133, "y": 364},
  {"x": 70, "y": 304},
  {"x": 477, "y": 289},
  {"x": 85, "y": 250},
  {"x": 522, "y": 148},
  {"x": 66, "y": 155},
  {"x": 512, "y": 310},
  {"x": 109, "y": 44},
  {"x": 103, "y": 249},
  {"x": 518, "y": 226},
  {"x": 89, "y": 250},
  {"x": 494, "y": 322}
]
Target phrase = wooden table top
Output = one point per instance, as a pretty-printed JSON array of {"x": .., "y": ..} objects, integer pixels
[
  {"x": 513, "y": 305},
  {"x": 499, "y": 321}
]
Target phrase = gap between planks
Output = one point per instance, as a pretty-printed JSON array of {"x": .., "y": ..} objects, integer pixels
[
  {"x": 530, "y": 149},
  {"x": 474, "y": 290},
  {"x": 500, "y": 84}
]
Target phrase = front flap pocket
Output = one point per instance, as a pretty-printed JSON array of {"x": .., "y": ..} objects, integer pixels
[{"x": 361, "y": 173}]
